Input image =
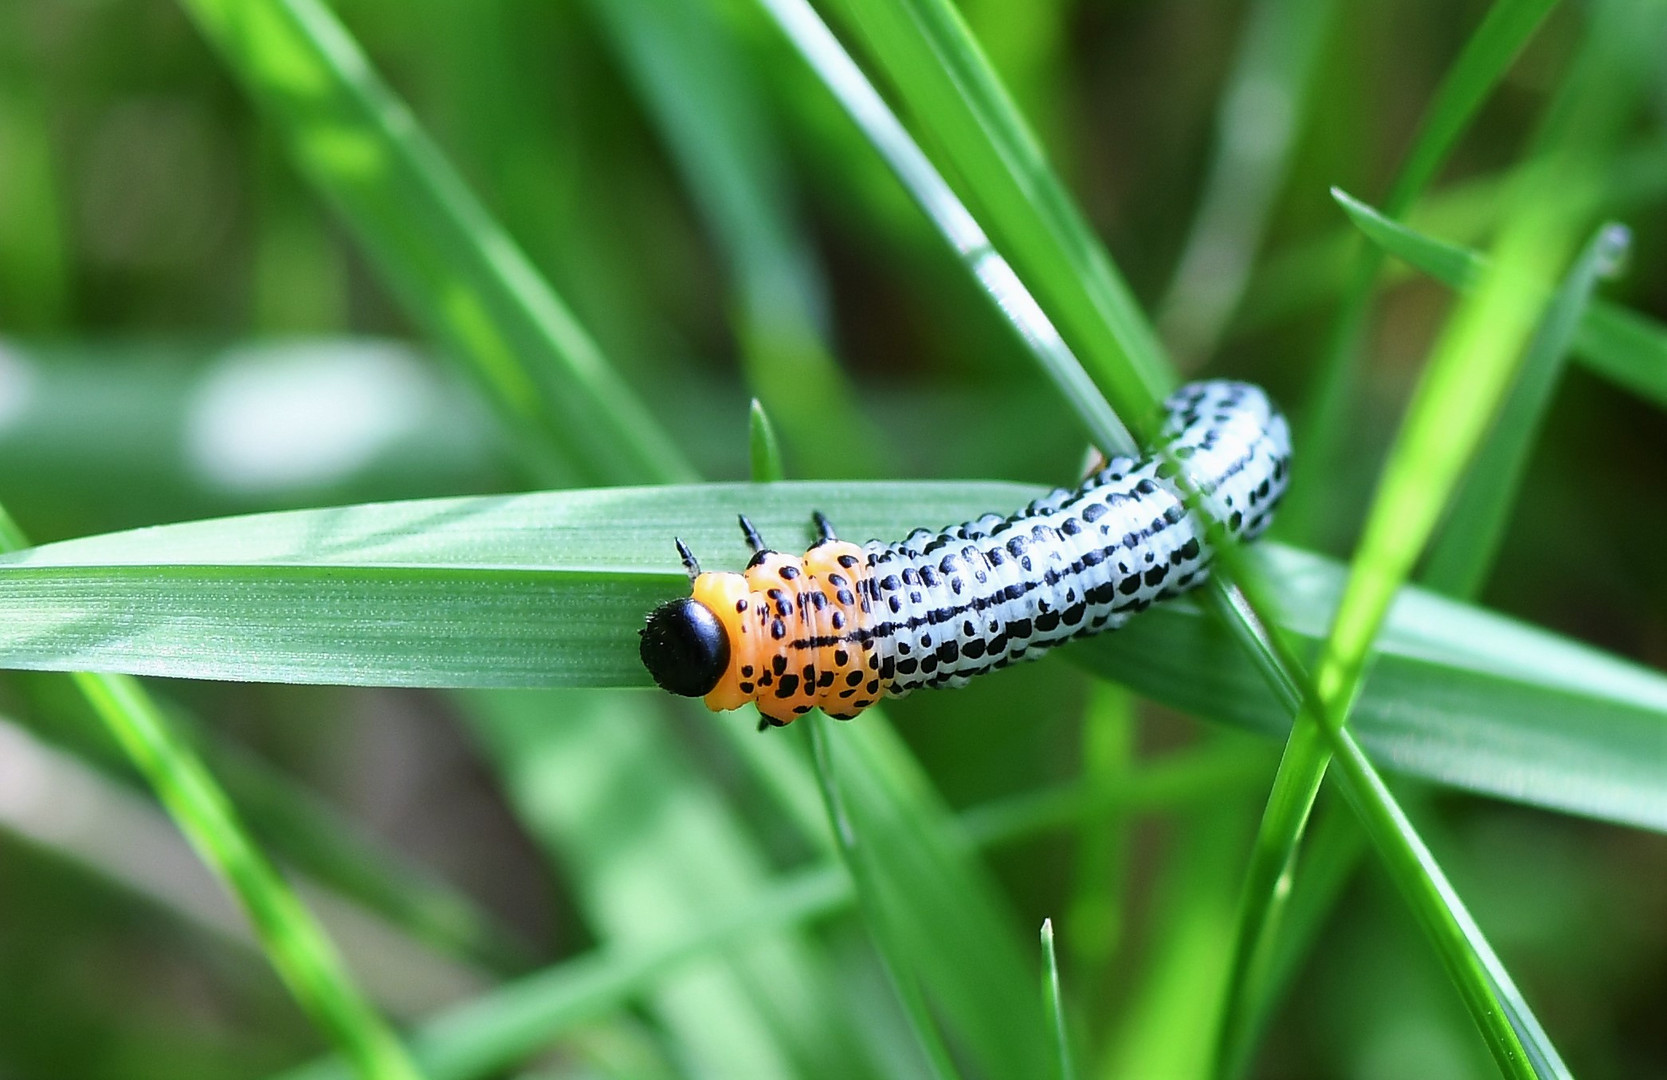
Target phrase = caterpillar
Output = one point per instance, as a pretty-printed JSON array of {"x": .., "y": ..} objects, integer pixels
[{"x": 845, "y": 624}]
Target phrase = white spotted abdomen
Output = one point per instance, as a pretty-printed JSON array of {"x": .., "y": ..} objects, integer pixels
[{"x": 982, "y": 595}]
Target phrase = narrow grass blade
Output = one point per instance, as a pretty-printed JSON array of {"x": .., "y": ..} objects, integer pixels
[
  {"x": 889, "y": 935},
  {"x": 1054, "y": 1006},
  {"x": 1259, "y": 117},
  {"x": 302, "y": 831},
  {"x": 822, "y": 51},
  {"x": 1162, "y": 1031},
  {"x": 930, "y": 56},
  {"x": 1623, "y": 346},
  {"x": 300, "y": 951},
  {"x": 1462, "y": 556},
  {"x": 1470, "y": 367},
  {"x": 654, "y": 851},
  {"x": 35, "y": 254},
  {"x": 451, "y": 264},
  {"x": 511, "y": 1023},
  {"x": 1096, "y": 912},
  {"x": 942, "y": 925},
  {"x": 1519, "y": 1044},
  {"x": 1504, "y": 31}
]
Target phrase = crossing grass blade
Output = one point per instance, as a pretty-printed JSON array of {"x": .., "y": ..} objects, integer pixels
[
  {"x": 456, "y": 270},
  {"x": 1469, "y": 370},
  {"x": 303, "y": 955},
  {"x": 1462, "y": 556},
  {"x": 697, "y": 83},
  {"x": 513, "y": 1022},
  {"x": 950, "y": 216},
  {"x": 1258, "y": 123},
  {"x": 1487, "y": 56},
  {"x": 1623, "y": 346},
  {"x": 655, "y": 852}
]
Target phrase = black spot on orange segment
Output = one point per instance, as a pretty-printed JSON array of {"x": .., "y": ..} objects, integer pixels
[{"x": 788, "y": 685}]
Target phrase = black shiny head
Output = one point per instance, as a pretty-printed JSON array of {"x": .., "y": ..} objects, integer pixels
[{"x": 685, "y": 648}]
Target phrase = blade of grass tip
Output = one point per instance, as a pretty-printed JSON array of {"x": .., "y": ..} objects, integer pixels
[
  {"x": 1623, "y": 346},
  {"x": 763, "y": 448},
  {"x": 456, "y": 270},
  {"x": 1459, "y": 561},
  {"x": 871, "y": 899},
  {"x": 696, "y": 84},
  {"x": 937, "y": 66},
  {"x": 1323, "y": 421},
  {"x": 834, "y": 66},
  {"x": 1054, "y": 1006},
  {"x": 1258, "y": 119},
  {"x": 298, "y": 948}
]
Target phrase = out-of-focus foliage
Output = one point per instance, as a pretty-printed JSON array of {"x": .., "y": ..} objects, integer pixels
[{"x": 239, "y": 276}]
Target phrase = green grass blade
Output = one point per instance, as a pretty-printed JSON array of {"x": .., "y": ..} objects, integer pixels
[
  {"x": 1096, "y": 912},
  {"x": 762, "y": 446},
  {"x": 654, "y": 851},
  {"x": 696, "y": 84},
  {"x": 823, "y": 52},
  {"x": 1053, "y": 1005},
  {"x": 1627, "y": 348},
  {"x": 451, "y": 264},
  {"x": 941, "y": 923},
  {"x": 1471, "y": 365},
  {"x": 512, "y": 1022},
  {"x": 549, "y": 589},
  {"x": 1519, "y": 1044},
  {"x": 869, "y": 882},
  {"x": 1259, "y": 116},
  {"x": 1163, "y": 1030},
  {"x": 930, "y": 56},
  {"x": 298, "y": 948},
  {"x": 1462, "y": 556},
  {"x": 1489, "y": 53}
]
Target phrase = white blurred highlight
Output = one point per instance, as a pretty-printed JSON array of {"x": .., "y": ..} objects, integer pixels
[
  {"x": 17, "y": 386},
  {"x": 289, "y": 414}
]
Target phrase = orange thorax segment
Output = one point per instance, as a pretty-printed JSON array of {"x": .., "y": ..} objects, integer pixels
[
  {"x": 796, "y": 632},
  {"x": 729, "y": 598}
]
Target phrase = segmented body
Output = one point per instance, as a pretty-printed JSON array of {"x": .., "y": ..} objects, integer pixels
[{"x": 846, "y": 624}]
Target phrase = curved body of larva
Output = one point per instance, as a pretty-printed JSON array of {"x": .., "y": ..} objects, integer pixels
[{"x": 846, "y": 624}]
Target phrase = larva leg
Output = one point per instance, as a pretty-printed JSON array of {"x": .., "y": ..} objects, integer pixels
[
  {"x": 754, "y": 541},
  {"x": 690, "y": 566},
  {"x": 824, "y": 527}
]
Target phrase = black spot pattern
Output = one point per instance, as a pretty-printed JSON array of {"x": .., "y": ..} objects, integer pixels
[{"x": 997, "y": 590}]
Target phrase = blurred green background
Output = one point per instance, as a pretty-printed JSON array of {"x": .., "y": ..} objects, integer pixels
[{"x": 187, "y": 331}]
